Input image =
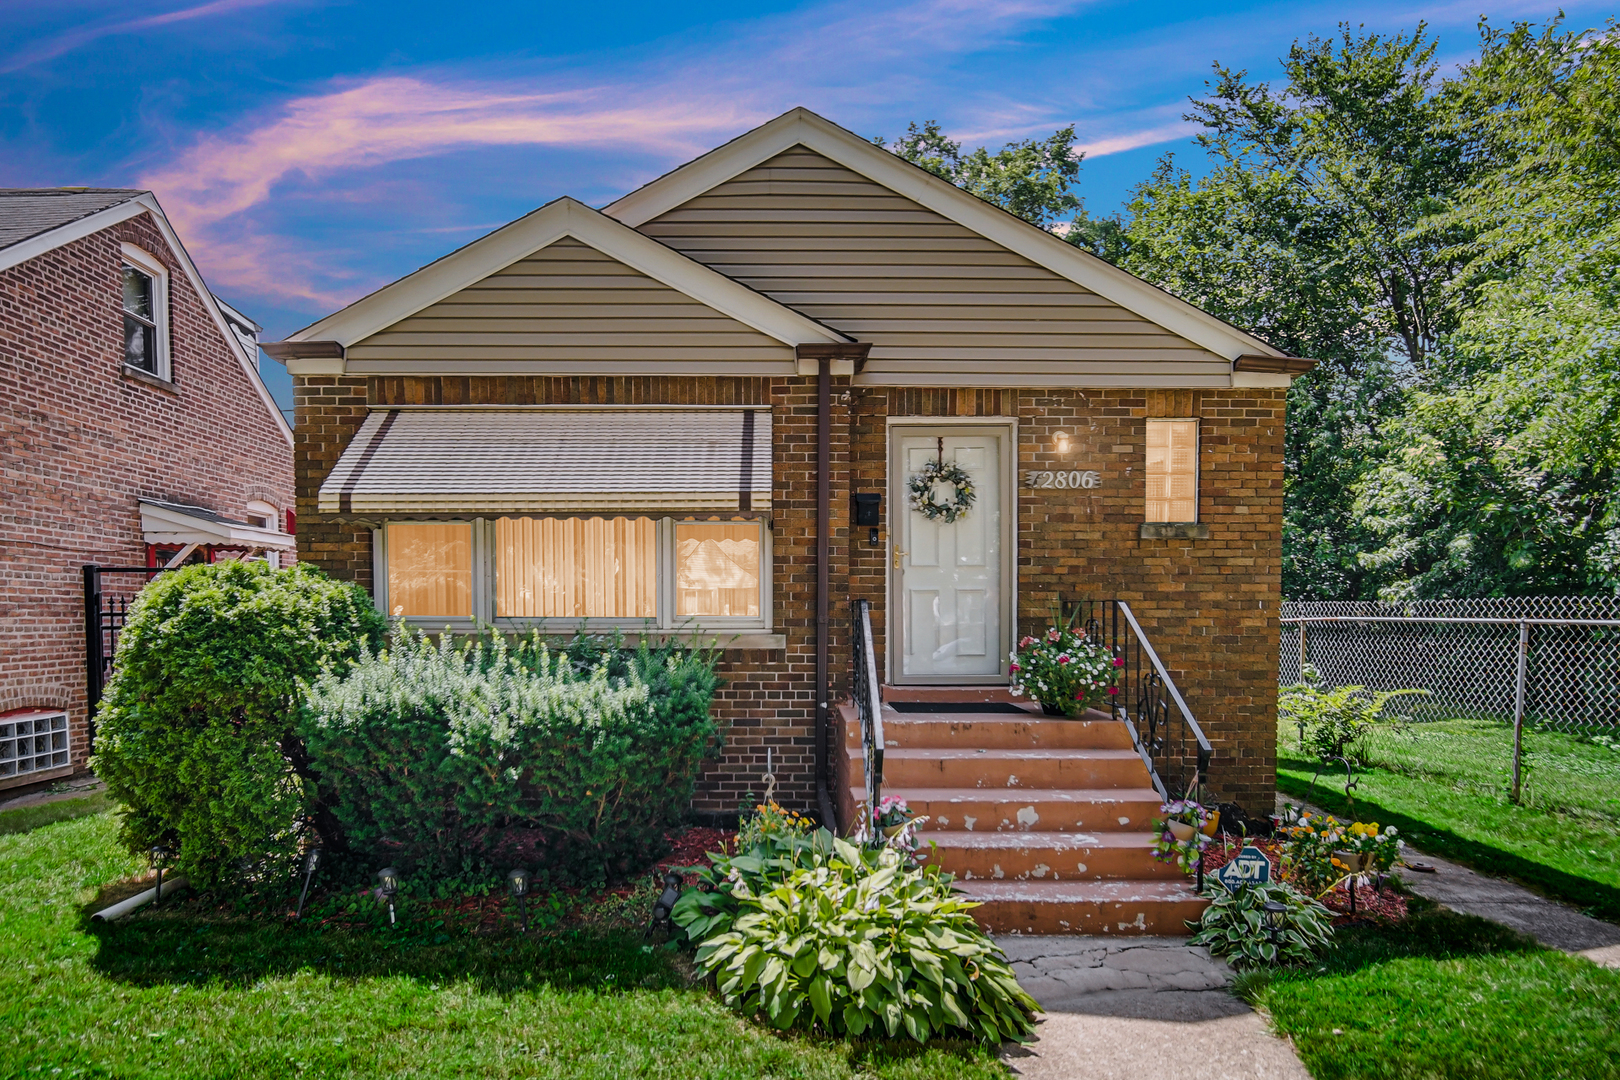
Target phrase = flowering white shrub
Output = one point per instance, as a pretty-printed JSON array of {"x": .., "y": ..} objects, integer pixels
[{"x": 1064, "y": 670}]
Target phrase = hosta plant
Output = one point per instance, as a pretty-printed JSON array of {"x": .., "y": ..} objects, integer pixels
[
  {"x": 1234, "y": 926},
  {"x": 850, "y": 940}
]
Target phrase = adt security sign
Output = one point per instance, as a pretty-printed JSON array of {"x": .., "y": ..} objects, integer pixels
[{"x": 1251, "y": 867}]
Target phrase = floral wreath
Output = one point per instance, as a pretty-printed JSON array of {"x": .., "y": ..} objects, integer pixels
[{"x": 922, "y": 484}]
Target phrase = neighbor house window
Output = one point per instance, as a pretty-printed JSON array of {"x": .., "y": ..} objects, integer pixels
[
  {"x": 430, "y": 569},
  {"x": 146, "y": 317},
  {"x": 620, "y": 570},
  {"x": 1172, "y": 471},
  {"x": 262, "y": 515}
]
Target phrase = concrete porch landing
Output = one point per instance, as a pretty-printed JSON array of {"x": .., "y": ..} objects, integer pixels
[{"x": 1045, "y": 821}]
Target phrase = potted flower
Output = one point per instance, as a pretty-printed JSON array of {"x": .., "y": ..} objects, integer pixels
[
  {"x": 1064, "y": 670},
  {"x": 891, "y": 815},
  {"x": 1182, "y": 832}
]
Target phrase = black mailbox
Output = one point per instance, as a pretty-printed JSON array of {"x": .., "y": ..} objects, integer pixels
[{"x": 864, "y": 508}]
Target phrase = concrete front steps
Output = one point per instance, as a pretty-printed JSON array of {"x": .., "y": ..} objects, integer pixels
[{"x": 1045, "y": 821}]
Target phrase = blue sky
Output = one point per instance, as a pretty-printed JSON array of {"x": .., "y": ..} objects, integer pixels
[{"x": 309, "y": 152}]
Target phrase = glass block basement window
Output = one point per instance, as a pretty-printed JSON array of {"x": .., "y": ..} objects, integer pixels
[{"x": 32, "y": 742}]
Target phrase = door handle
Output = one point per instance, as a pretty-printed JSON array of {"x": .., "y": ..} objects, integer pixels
[{"x": 898, "y": 554}]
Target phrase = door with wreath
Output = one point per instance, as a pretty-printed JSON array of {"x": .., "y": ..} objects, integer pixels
[{"x": 949, "y": 549}]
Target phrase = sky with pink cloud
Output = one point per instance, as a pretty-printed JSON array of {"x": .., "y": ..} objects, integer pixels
[{"x": 311, "y": 150}]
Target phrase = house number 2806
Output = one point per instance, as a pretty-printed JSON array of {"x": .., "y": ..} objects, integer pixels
[{"x": 1086, "y": 479}]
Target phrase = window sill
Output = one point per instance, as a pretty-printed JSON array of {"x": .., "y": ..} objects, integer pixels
[
  {"x": 135, "y": 374},
  {"x": 733, "y": 639},
  {"x": 1174, "y": 530}
]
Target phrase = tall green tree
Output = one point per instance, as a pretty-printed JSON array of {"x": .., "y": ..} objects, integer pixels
[
  {"x": 1031, "y": 178},
  {"x": 1500, "y": 478},
  {"x": 1313, "y": 230}
]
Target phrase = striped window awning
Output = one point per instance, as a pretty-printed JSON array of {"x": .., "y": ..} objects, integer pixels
[{"x": 554, "y": 459}]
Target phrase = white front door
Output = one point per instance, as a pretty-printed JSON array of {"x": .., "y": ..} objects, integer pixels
[{"x": 949, "y": 578}]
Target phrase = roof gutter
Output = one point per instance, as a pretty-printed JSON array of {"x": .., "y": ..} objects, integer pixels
[{"x": 1273, "y": 365}]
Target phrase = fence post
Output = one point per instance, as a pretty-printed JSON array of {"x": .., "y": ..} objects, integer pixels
[
  {"x": 1301, "y": 650},
  {"x": 93, "y": 661},
  {"x": 1518, "y": 707}
]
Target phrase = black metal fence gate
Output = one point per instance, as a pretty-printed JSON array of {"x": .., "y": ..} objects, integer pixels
[{"x": 108, "y": 593}]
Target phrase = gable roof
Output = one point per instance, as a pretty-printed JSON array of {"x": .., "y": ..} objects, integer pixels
[
  {"x": 39, "y": 220},
  {"x": 564, "y": 217},
  {"x": 801, "y": 127},
  {"x": 28, "y": 212}
]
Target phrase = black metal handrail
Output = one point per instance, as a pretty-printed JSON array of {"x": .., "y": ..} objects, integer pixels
[
  {"x": 1163, "y": 730},
  {"x": 869, "y": 706}
]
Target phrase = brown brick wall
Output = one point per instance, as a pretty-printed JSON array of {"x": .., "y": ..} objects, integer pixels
[
  {"x": 1209, "y": 606},
  {"x": 80, "y": 441}
]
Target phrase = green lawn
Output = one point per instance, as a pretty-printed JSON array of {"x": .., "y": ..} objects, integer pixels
[
  {"x": 1444, "y": 785},
  {"x": 188, "y": 992},
  {"x": 1446, "y": 995}
]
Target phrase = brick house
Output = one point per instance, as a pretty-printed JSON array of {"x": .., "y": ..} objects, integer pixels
[
  {"x": 702, "y": 406},
  {"x": 136, "y": 429}
]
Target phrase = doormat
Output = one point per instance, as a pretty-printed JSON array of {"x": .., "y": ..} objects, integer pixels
[{"x": 956, "y": 707}]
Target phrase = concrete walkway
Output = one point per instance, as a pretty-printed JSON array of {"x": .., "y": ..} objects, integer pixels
[{"x": 1143, "y": 1008}]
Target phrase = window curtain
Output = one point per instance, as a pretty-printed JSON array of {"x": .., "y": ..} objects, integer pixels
[{"x": 596, "y": 568}]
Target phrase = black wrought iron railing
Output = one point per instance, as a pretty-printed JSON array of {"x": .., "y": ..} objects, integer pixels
[
  {"x": 108, "y": 593},
  {"x": 869, "y": 706},
  {"x": 1172, "y": 745}
]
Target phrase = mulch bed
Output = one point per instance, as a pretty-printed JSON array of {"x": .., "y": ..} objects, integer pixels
[{"x": 1371, "y": 903}]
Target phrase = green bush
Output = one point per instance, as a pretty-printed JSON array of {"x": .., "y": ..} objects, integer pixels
[
  {"x": 197, "y": 730},
  {"x": 1331, "y": 722},
  {"x": 449, "y": 758},
  {"x": 1234, "y": 926},
  {"x": 814, "y": 931}
]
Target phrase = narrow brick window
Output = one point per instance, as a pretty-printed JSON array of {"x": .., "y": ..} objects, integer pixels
[
  {"x": 1172, "y": 471},
  {"x": 146, "y": 313}
]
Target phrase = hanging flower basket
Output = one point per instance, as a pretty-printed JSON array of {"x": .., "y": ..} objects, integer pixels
[{"x": 924, "y": 486}]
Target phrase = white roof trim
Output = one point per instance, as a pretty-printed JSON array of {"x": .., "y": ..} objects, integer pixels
[
  {"x": 528, "y": 234},
  {"x": 146, "y": 203},
  {"x": 803, "y": 127},
  {"x": 168, "y": 524}
]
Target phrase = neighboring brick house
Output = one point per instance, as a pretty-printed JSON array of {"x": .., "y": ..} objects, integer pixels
[
  {"x": 134, "y": 429},
  {"x": 704, "y": 404}
]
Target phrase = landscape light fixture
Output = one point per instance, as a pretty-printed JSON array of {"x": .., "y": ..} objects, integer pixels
[
  {"x": 161, "y": 857},
  {"x": 312, "y": 859},
  {"x": 665, "y": 904},
  {"x": 518, "y": 881},
  {"x": 1276, "y": 917},
  {"x": 388, "y": 887}
]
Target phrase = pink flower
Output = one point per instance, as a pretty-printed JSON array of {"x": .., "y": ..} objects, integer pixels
[
  {"x": 1014, "y": 668},
  {"x": 1079, "y": 695},
  {"x": 1113, "y": 689},
  {"x": 1053, "y": 634},
  {"x": 1025, "y": 642},
  {"x": 1063, "y": 658},
  {"x": 1119, "y": 661}
]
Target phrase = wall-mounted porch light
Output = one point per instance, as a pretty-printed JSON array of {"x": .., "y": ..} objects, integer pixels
[{"x": 1060, "y": 440}]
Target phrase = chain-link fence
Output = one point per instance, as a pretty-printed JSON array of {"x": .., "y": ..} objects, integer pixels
[
  {"x": 1546, "y": 664},
  {"x": 1467, "y": 654}
]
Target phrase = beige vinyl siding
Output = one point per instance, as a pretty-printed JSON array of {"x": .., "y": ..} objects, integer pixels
[
  {"x": 935, "y": 298},
  {"x": 569, "y": 308}
]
